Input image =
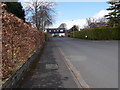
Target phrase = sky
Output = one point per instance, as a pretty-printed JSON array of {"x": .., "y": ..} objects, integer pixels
[{"x": 75, "y": 12}]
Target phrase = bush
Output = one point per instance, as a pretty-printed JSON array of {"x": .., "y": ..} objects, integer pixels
[
  {"x": 46, "y": 36},
  {"x": 108, "y": 33}
]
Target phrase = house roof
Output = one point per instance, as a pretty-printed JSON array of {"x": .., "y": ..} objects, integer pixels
[{"x": 56, "y": 30}]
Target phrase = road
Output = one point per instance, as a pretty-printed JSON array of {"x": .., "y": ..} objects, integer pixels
[{"x": 96, "y": 61}]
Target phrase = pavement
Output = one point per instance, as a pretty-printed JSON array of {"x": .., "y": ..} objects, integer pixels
[{"x": 50, "y": 71}]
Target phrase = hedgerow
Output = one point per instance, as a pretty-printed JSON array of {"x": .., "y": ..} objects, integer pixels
[
  {"x": 19, "y": 42},
  {"x": 106, "y": 33}
]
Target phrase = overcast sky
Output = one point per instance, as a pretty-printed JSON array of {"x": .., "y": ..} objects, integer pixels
[{"x": 75, "y": 13}]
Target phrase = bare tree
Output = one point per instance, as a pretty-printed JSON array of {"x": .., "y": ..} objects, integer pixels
[
  {"x": 63, "y": 25},
  {"x": 95, "y": 23},
  {"x": 90, "y": 22},
  {"x": 102, "y": 21},
  {"x": 41, "y": 13}
]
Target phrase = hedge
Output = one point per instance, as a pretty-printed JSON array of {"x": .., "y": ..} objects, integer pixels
[
  {"x": 19, "y": 42},
  {"x": 107, "y": 33},
  {"x": 47, "y": 37}
]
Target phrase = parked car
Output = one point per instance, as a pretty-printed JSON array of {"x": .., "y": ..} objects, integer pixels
[{"x": 55, "y": 35}]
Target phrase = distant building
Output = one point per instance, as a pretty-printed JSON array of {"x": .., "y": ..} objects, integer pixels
[
  {"x": 97, "y": 24},
  {"x": 56, "y": 31}
]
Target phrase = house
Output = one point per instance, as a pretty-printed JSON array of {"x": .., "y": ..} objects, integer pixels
[
  {"x": 97, "y": 24},
  {"x": 56, "y": 32}
]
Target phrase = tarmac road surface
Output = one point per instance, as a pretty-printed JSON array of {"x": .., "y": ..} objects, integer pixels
[{"x": 95, "y": 61}]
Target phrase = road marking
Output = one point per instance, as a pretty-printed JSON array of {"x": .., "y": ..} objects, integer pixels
[{"x": 76, "y": 75}]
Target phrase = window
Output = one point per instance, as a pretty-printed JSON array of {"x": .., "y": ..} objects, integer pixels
[{"x": 61, "y": 30}]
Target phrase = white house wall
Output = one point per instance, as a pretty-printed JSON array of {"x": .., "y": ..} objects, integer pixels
[
  {"x": 61, "y": 34},
  {"x": 53, "y": 34}
]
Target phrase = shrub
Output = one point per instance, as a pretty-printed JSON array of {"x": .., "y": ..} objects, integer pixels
[
  {"x": 46, "y": 36},
  {"x": 108, "y": 33}
]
